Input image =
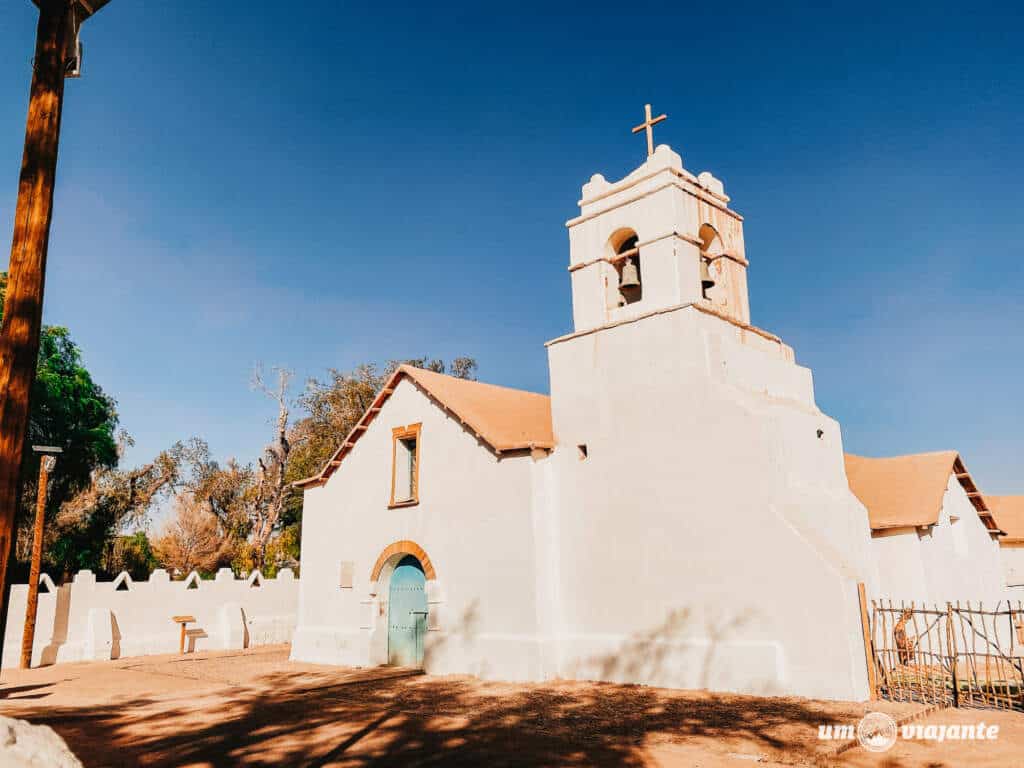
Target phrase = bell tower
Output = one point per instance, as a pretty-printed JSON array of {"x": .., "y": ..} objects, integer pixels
[
  {"x": 657, "y": 239},
  {"x": 690, "y": 450}
]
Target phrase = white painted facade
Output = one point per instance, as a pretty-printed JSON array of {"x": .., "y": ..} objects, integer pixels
[
  {"x": 88, "y": 620},
  {"x": 1012, "y": 557},
  {"x": 1009, "y": 511},
  {"x": 957, "y": 558},
  {"x": 709, "y": 539},
  {"x": 475, "y": 519}
]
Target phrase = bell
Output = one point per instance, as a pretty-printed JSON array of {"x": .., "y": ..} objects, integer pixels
[
  {"x": 630, "y": 277},
  {"x": 706, "y": 280}
]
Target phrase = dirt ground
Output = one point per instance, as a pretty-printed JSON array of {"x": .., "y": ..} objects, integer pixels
[{"x": 255, "y": 708}]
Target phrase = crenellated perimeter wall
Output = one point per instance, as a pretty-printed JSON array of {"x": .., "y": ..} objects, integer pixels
[{"x": 89, "y": 620}]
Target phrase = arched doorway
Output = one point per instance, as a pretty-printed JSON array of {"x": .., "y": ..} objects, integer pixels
[{"x": 407, "y": 613}]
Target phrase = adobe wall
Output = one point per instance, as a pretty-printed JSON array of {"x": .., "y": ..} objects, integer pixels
[
  {"x": 473, "y": 521},
  {"x": 710, "y": 539},
  {"x": 1012, "y": 558},
  {"x": 92, "y": 620},
  {"x": 961, "y": 559},
  {"x": 955, "y": 559}
]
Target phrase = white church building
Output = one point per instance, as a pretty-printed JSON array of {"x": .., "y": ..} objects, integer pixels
[{"x": 676, "y": 513}]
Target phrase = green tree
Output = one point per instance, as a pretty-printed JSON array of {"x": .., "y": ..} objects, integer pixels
[
  {"x": 132, "y": 553},
  {"x": 68, "y": 410},
  {"x": 71, "y": 411}
]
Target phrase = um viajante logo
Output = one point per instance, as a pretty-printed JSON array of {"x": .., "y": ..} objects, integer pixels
[{"x": 878, "y": 732}]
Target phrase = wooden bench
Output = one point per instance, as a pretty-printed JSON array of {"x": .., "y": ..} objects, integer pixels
[
  {"x": 184, "y": 621},
  {"x": 193, "y": 635}
]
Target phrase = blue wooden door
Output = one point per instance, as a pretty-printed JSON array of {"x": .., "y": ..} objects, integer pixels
[{"x": 407, "y": 614}]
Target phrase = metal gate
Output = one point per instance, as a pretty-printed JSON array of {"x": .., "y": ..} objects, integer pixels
[{"x": 960, "y": 655}]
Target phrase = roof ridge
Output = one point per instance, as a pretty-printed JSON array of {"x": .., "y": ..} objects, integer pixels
[
  {"x": 904, "y": 455},
  {"x": 428, "y": 372},
  {"x": 492, "y": 428}
]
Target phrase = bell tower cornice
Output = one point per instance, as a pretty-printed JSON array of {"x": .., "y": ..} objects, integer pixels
[
  {"x": 660, "y": 237},
  {"x": 662, "y": 169}
]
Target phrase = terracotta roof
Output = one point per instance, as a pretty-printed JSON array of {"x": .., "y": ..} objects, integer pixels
[
  {"x": 505, "y": 419},
  {"x": 1009, "y": 512},
  {"x": 902, "y": 491}
]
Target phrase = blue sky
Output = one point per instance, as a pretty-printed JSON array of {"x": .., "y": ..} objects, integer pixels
[{"x": 369, "y": 181}]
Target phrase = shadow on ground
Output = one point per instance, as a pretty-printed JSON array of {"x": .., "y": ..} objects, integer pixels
[{"x": 287, "y": 718}]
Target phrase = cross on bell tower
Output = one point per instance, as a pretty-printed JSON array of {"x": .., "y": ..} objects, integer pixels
[{"x": 648, "y": 126}]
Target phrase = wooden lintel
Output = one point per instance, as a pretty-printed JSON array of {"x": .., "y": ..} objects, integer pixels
[{"x": 625, "y": 254}]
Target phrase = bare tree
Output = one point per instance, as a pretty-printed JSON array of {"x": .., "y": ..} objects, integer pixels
[
  {"x": 192, "y": 539},
  {"x": 249, "y": 501},
  {"x": 113, "y": 499},
  {"x": 272, "y": 490},
  {"x": 224, "y": 492}
]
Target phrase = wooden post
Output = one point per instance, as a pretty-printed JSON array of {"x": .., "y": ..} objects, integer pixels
[
  {"x": 23, "y": 304},
  {"x": 951, "y": 649},
  {"x": 29, "y": 635},
  {"x": 869, "y": 654}
]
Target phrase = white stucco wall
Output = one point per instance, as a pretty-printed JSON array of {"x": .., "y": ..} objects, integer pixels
[
  {"x": 710, "y": 539},
  {"x": 901, "y": 569},
  {"x": 476, "y": 523},
  {"x": 960, "y": 556},
  {"x": 1012, "y": 557},
  {"x": 956, "y": 559},
  {"x": 90, "y": 620}
]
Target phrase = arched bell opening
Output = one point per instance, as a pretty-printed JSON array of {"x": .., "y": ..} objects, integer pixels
[
  {"x": 625, "y": 258},
  {"x": 711, "y": 251}
]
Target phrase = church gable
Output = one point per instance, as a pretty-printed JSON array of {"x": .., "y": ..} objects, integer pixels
[
  {"x": 500, "y": 418},
  {"x": 908, "y": 491}
]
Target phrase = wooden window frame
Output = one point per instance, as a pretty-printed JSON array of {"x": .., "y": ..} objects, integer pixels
[{"x": 410, "y": 432}]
